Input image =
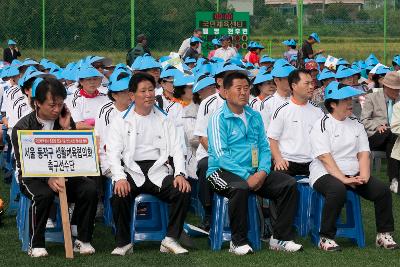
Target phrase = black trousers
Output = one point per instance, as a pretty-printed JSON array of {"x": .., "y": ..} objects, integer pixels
[
  {"x": 334, "y": 192},
  {"x": 278, "y": 187},
  {"x": 80, "y": 190},
  {"x": 385, "y": 142},
  {"x": 179, "y": 205},
  {"x": 297, "y": 169},
  {"x": 205, "y": 190}
]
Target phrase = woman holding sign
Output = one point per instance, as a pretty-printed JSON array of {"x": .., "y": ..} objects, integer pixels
[{"x": 48, "y": 95}]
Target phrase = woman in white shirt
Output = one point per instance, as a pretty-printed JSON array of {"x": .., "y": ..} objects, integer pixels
[
  {"x": 263, "y": 86},
  {"x": 341, "y": 162}
]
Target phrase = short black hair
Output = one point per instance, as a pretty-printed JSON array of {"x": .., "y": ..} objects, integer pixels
[
  {"x": 328, "y": 102},
  {"x": 179, "y": 91},
  {"x": 27, "y": 85},
  {"x": 294, "y": 76},
  {"x": 194, "y": 43},
  {"x": 138, "y": 78},
  {"x": 228, "y": 79},
  {"x": 140, "y": 38},
  {"x": 49, "y": 85},
  {"x": 394, "y": 64},
  {"x": 292, "y": 46}
]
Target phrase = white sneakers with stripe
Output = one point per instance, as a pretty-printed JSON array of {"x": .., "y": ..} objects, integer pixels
[
  {"x": 37, "y": 252},
  {"x": 170, "y": 245},
  {"x": 122, "y": 251},
  {"x": 281, "y": 245},
  {"x": 328, "y": 244},
  {"x": 385, "y": 240},
  {"x": 83, "y": 248},
  {"x": 240, "y": 250}
]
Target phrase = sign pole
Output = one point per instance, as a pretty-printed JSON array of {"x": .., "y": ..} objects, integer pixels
[{"x": 69, "y": 254}]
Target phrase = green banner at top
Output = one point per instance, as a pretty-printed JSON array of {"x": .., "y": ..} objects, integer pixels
[{"x": 215, "y": 24}]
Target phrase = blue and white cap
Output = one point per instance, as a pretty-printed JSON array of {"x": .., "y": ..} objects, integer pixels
[
  {"x": 325, "y": 74},
  {"x": 338, "y": 91},
  {"x": 87, "y": 71},
  {"x": 202, "y": 82},
  {"x": 343, "y": 72},
  {"x": 262, "y": 77},
  {"x": 183, "y": 80},
  {"x": 315, "y": 36},
  {"x": 289, "y": 42}
]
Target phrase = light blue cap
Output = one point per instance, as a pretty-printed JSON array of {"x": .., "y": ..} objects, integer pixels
[
  {"x": 254, "y": 45},
  {"x": 216, "y": 42},
  {"x": 29, "y": 62},
  {"x": 147, "y": 62},
  {"x": 382, "y": 70},
  {"x": 228, "y": 67},
  {"x": 249, "y": 65},
  {"x": 293, "y": 58},
  {"x": 16, "y": 63},
  {"x": 343, "y": 72},
  {"x": 117, "y": 72},
  {"x": 70, "y": 72},
  {"x": 202, "y": 82},
  {"x": 183, "y": 80},
  {"x": 11, "y": 72},
  {"x": 87, "y": 71},
  {"x": 119, "y": 85},
  {"x": 371, "y": 60},
  {"x": 342, "y": 61},
  {"x": 169, "y": 72},
  {"x": 289, "y": 42},
  {"x": 282, "y": 71},
  {"x": 35, "y": 85},
  {"x": 266, "y": 59},
  {"x": 91, "y": 59},
  {"x": 11, "y": 42},
  {"x": 263, "y": 77},
  {"x": 325, "y": 74},
  {"x": 30, "y": 72},
  {"x": 370, "y": 67},
  {"x": 396, "y": 59},
  {"x": 356, "y": 68},
  {"x": 189, "y": 60},
  {"x": 316, "y": 37},
  {"x": 338, "y": 91},
  {"x": 57, "y": 72},
  {"x": 320, "y": 59},
  {"x": 217, "y": 59},
  {"x": 280, "y": 62},
  {"x": 164, "y": 58},
  {"x": 47, "y": 64},
  {"x": 195, "y": 39}
]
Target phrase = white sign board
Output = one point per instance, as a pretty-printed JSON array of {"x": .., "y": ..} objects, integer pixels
[{"x": 58, "y": 153}]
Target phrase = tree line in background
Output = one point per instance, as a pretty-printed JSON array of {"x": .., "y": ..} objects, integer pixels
[{"x": 99, "y": 25}]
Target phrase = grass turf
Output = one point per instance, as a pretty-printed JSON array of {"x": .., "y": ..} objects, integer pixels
[{"x": 146, "y": 253}]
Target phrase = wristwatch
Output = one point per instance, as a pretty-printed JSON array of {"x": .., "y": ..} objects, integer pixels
[{"x": 181, "y": 174}]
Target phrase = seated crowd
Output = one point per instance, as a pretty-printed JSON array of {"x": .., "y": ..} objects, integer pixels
[{"x": 235, "y": 127}]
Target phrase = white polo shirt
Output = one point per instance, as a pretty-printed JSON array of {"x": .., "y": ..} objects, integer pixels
[
  {"x": 291, "y": 125},
  {"x": 225, "y": 54},
  {"x": 342, "y": 139},
  {"x": 83, "y": 108},
  {"x": 207, "y": 107},
  {"x": 255, "y": 103},
  {"x": 20, "y": 108},
  {"x": 269, "y": 105}
]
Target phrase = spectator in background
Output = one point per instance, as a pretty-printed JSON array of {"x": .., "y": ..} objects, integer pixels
[
  {"x": 225, "y": 52},
  {"x": 291, "y": 49},
  {"x": 217, "y": 44},
  {"x": 307, "y": 49},
  {"x": 139, "y": 50},
  {"x": 192, "y": 52},
  {"x": 11, "y": 52},
  {"x": 253, "y": 56},
  {"x": 186, "y": 43}
]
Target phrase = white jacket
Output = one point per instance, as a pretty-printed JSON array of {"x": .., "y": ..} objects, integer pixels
[{"x": 121, "y": 143}]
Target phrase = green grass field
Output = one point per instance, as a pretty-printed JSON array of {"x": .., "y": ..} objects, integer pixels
[
  {"x": 146, "y": 254},
  {"x": 345, "y": 47}
]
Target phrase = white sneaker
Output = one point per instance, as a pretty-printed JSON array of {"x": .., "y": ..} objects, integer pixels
[
  {"x": 83, "y": 248},
  {"x": 170, "y": 245},
  {"x": 282, "y": 245},
  {"x": 50, "y": 223},
  {"x": 241, "y": 250},
  {"x": 394, "y": 185},
  {"x": 122, "y": 251},
  {"x": 385, "y": 240},
  {"x": 328, "y": 244},
  {"x": 37, "y": 252}
]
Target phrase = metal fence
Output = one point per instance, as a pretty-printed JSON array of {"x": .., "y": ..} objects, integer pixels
[{"x": 87, "y": 25}]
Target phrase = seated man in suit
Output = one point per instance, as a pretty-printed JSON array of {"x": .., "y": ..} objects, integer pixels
[{"x": 376, "y": 117}]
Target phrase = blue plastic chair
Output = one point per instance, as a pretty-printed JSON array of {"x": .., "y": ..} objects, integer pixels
[
  {"x": 51, "y": 235},
  {"x": 108, "y": 192},
  {"x": 195, "y": 205},
  {"x": 151, "y": 225},
  {"x": 352, "y": 228},
  {"x": 220, "y": 231},
  {"x": 302, "y": 219}
]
